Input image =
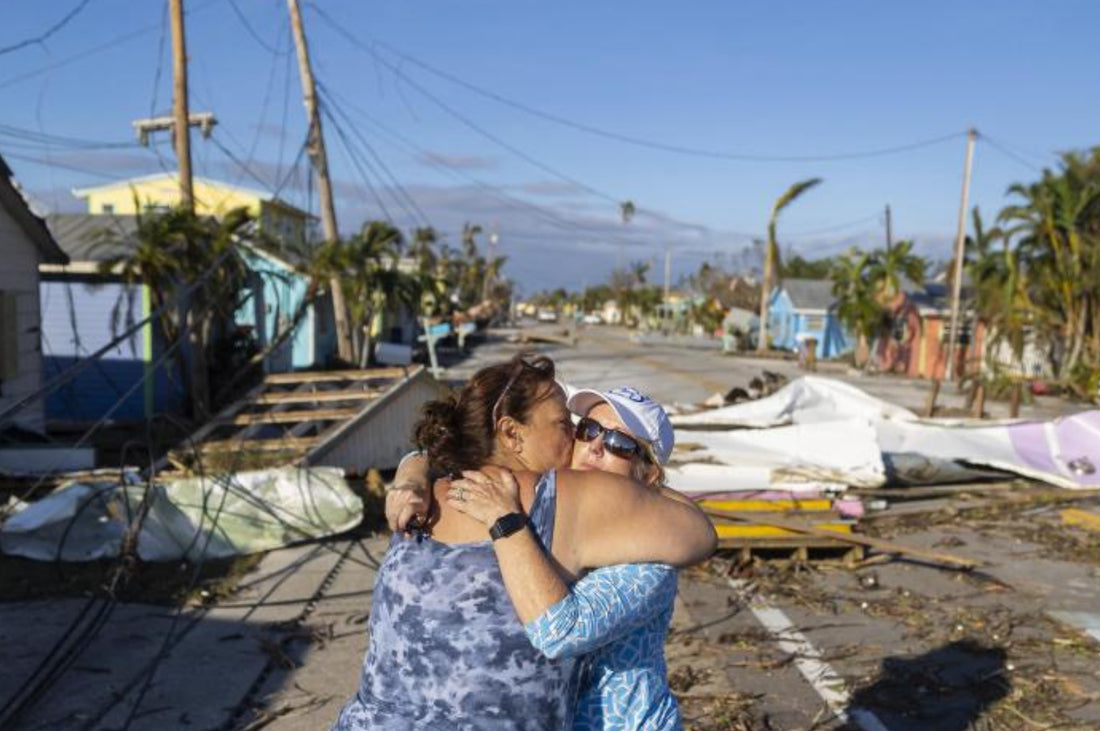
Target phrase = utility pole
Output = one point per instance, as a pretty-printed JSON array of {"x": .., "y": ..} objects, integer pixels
[
  {"x": 490, "y": 272},
  {"x": 179, "y": 105},
  {"x": 889, "y": 231},
  {"x": 960, "y": 243},
  {"x": 668, "y": 270},
  {"x": 317, "y": 154}
]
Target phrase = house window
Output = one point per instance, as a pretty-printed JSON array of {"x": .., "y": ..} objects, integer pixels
[
  {"x": 107, "y": 209},
  {"x": 813, "y": 323}
]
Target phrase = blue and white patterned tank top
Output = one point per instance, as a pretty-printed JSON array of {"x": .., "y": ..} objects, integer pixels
[{"x": 447, "y": 650}]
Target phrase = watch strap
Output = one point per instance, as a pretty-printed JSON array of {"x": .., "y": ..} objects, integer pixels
[{"x": 508, "y": 524}]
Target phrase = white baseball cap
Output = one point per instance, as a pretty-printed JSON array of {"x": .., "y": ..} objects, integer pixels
[{"x": 644, "y": 417}]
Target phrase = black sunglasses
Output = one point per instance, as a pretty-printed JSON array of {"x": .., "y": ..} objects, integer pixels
[{"x": 620, "y": 444}]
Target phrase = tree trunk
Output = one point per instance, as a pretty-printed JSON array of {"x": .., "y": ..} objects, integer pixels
[
  {"x": 863, "y": 352},
  {"x": 199, "y": 380},
  {"x": 765, "y": 295}
]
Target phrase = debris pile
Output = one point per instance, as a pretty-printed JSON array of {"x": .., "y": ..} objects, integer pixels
[{"x": 801, "y": 453}]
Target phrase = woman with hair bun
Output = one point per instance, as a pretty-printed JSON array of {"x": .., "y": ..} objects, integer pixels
[{"x": 447, "y": 649}]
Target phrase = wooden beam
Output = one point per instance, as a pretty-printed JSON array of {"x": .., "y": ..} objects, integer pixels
[
  {"x": 293, "y": 417},
  {"x": 875, "y": 543},
  {"x": 317, "y": 397},
  {"x": 323, "y": 376},
  {"x": 259, "y": 445}
]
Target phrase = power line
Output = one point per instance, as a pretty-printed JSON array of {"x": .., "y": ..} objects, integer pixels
[
  {"x": 1008, "y": 152},
  {"x": 836, "y": 227},
  {"x": 252, "y": 32},
  {"x": 628, "y": 139},
  {"x": 399, "y": 192},
  {"x": 508, "y": 200},
  {"x": 49, "y": 32},
  {"x": 47, "y": 139},
  {"x": 106, "y": 46},
  {"x": 466, "y": 121},
  {"x": 357, "y": 164}
]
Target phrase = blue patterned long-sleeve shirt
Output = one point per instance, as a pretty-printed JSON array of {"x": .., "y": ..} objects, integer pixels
[{"x": 618, "y": 616}]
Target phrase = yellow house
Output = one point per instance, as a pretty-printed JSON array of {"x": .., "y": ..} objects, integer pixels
[{"x": 212, "y": 198}]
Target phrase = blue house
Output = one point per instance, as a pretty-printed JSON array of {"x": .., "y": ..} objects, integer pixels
[
  {"x": 804, "y": 308},
  {"x": 275, "y": 294},
  {"x": 83, "y": 310}
]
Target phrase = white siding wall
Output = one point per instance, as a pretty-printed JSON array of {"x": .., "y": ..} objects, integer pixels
[{"x": 19, "y": 275}]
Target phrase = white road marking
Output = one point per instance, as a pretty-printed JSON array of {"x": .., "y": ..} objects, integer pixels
[{"x": 820, "y": 675}]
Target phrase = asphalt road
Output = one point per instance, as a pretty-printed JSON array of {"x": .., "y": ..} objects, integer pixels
[{"x": 896, "y": 645}]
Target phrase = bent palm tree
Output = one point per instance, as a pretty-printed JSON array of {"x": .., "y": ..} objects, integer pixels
[{"x": 771, "y": 254}]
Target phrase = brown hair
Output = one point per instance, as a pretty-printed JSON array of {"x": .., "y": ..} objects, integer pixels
[
  {"x": 458, "y": 432},
  {"x": 643, "y": 464}
]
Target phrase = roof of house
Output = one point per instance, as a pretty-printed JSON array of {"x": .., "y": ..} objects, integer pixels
[
  {"x": 16, "y": 205},
  {"x": 809, "y": 294},
  {"x": 171, "y": 177},
  {"x": 88, "y": 237}
]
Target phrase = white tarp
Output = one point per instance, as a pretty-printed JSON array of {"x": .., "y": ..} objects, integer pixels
[
  {"x": 837, "y": 425},
  {"x": 697, "y": 479},
  {"x": 843, "y": 451},
  {"x": 212, "y": 517},
  {"x": 807, "y": 400}
]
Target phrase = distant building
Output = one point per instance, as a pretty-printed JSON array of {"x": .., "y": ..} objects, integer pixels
[
  {"x": 919, "y": 343},
  {"x": 25, "y": 243},
  {"x": 161, "y": 191},
  {"x": 800, "y": 309}
]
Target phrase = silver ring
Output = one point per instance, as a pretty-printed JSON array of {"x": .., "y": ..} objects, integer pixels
[{"x": 461, "y": 496}]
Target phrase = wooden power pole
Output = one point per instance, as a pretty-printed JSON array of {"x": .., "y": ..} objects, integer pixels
[
  {"x": 316, "y": 149},
  {"x": 179, "y": 105},
  {"x": 960, "y": 244},
  {"x": 889, "y": 231}
]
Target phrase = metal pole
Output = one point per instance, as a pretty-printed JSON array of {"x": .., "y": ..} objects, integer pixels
[
  {"x": 960, "y": 243},
  {"x": 179, "y": 105},
  {"x": 316, "y": 148}
]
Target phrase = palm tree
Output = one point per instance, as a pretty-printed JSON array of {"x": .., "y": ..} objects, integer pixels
[
  {"x": 627, "y": 210},
  {"x": 1057, "y": 223},
  {"x": 890, "y": 267},
  {"x": 858, "y": 305},
  {"x": 177, "y": 251},
  {"x": 771, "y": 254},
  {"x": 367, "y": 263}
]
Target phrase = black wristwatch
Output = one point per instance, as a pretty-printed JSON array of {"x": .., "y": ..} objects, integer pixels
[{"x": 508, "y": 524}]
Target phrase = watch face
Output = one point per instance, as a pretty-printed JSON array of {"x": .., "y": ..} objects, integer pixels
[{"x": 507, "y": 525}]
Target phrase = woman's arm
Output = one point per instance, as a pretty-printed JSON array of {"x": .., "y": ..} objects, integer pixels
[
  {"x": 605, "y": 519},
  {"x": 410, "y": 494},
  {"x": 603, "y": 607},
  {"x": 530, "y": 577}
]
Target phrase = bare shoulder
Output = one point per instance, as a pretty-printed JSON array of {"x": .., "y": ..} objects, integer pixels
[{"x": 591, "y": 487}]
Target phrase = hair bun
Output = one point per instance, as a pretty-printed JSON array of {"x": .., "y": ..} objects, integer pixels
[{"x": 436, "y": 432}]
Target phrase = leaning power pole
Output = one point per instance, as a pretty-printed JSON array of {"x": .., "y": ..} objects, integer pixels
[
  {"x": 179, "y": 105},
  {"x": 317, "y": 154},
  {"x": 960, "y": 244}
]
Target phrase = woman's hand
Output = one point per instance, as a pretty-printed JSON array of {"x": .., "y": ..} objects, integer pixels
[
  {"x": 484, "y": 497},
  {"x": 403, "y": 504}
]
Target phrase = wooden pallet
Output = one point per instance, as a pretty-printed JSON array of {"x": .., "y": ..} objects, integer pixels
[{"x": 803, "y": 549}]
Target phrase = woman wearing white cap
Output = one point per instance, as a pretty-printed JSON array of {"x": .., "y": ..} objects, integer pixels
[{"x": 617, "y": 616}]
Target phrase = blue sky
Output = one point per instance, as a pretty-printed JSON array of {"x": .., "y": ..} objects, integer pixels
[{"x": 778, "y": 79}]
